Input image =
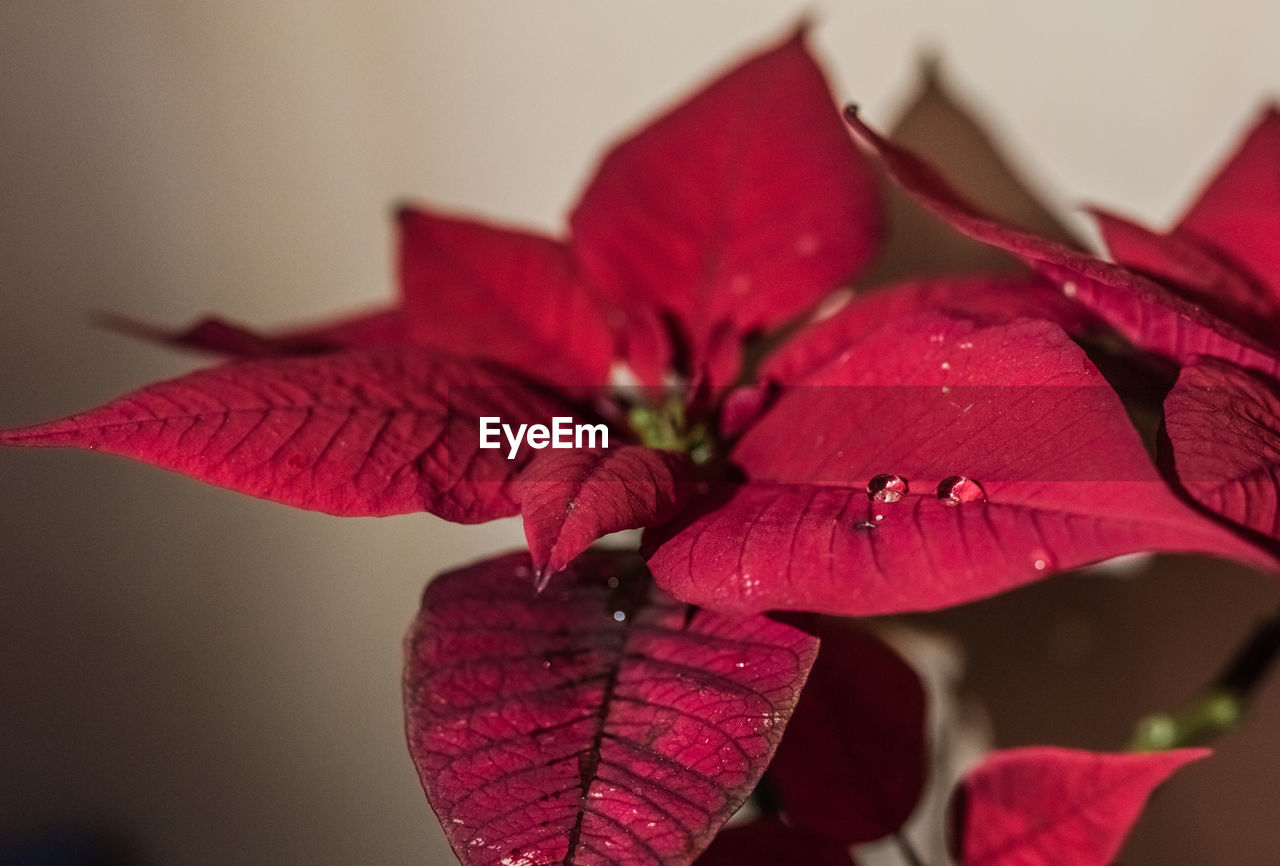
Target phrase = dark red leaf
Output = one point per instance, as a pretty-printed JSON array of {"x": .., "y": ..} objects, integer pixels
[
  {"x": 600, "y": 722},
  {"x": 361, "y": 432},
  {"x": 1046, "y": 806},
  {"x": 853, "y": 762},
  {"x": 769, "y": 842},
  {"x": 212, "y": 334},
  {"x": 1018, "y": 408},
  {"x": 1144, "y": 311},
  {"x": 1238, "y": 214},
  {"x": 486, "y": 292},
  {"x": 1223, "y": 424},
  {"x": 571, "y": 498},
  {"x": 737, "y": 209},
  {"x": 989, "y": 300}
]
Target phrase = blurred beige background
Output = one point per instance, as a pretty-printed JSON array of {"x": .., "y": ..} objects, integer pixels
[{"x": 216, "y": 679}]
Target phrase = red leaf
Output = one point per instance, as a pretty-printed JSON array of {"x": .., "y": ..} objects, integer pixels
[
  {"x": 360, "y": 432},
  {"x": 212, "y": 334},
  {"x": 512, "y": 297},
  {"x": 601, "y": 722},
  {"x": 571, "y": 498},
  {"x": 738, "y": 209},
  {"x": 852, "y": 764},
  {"x": 1019, "y": 408},
  {"x": 768, "y": 842},
  {"x": 1238, "y": 214},
  {"x": 1223, "y": 424},
  {"x": 1046, "y": 806},
  {"x": 1144, "y": 311},
  {"x": 990, "y": 300},
  {"x": 1189, "y": 269}
]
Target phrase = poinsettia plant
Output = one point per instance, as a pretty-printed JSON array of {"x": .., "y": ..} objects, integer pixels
[{"x": 689, "y": 360}]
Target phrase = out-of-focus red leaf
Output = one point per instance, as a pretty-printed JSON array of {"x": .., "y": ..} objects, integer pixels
[
  {"x": 600, "y": 722},
  {"x": 739, "y": 208},
  {"x": 213, "y": 334},
  {"x": 1186, "y": 267},
  {"x": 1047, "y": 806},
  {"x": 361, "y": 432},
  {"x": 1223, "y": 424},
  {"x": 853, "y": 762},
  {"x": 990, "y": 300},
  {"x": 1144, "y": 311},
  {"x": 570, "y": 498},
  {"x": 1018, "y": 409},
  {"x": 1238, "y": 214},
  {"x": 769, "y": 842},
  {"x": 508, "y": 296}
]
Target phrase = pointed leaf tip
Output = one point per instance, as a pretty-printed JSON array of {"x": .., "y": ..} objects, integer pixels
[
  {"x": 353, "y": 433},
  {"x": 1045, "y": 806},
  {"x": 571, "y": 498},
  {"x": 734, "y": 211}
]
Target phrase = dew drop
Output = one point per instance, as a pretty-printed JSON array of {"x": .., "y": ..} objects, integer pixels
[
  {"x": 1069, "y": 289},
  {"x": 613, "y": 583},
  {"x": 1041, "y": 560},
  {"x": 740, "y": 665},
  {"x": 959, "y": 490},
  {"x": 887, "y": 488},
  {"x": 619, "y": 616},
  {"x": 946, "y": 365},
  {"x": 966, "y": 345}
]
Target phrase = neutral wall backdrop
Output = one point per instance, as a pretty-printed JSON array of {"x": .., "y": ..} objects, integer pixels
[{"x": 214, "y": 678}]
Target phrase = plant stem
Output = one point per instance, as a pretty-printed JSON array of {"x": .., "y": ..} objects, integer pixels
[{"x": 1221, "y": 706}]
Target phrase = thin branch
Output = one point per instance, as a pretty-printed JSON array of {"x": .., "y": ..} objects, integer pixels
[{"x": 1223, "y": 704}]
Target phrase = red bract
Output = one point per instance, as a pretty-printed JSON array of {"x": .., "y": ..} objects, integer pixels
[
  {"x": 852, "y": 765},
  {"x": 1147, "y": 312},
  {"x": 717, "y": 224},
  {"x": 569, "y": 499},
  {"x": 1204, "y": 295},
  {"x": 360, "y": 432},
  {"x": 939, "y": 442},
  {"x": 1221, "y": 418},
  {"x": 601, "y": 722},
  {"x": 1045, "y": 806},
  {"x": 1016, "y": 409}
]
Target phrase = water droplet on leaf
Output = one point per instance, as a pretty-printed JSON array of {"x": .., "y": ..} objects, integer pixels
[
  {"x": 619, "y": 616},
  {"x": 887, "y": 488},
  {"x": 959, "y": 490}
]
